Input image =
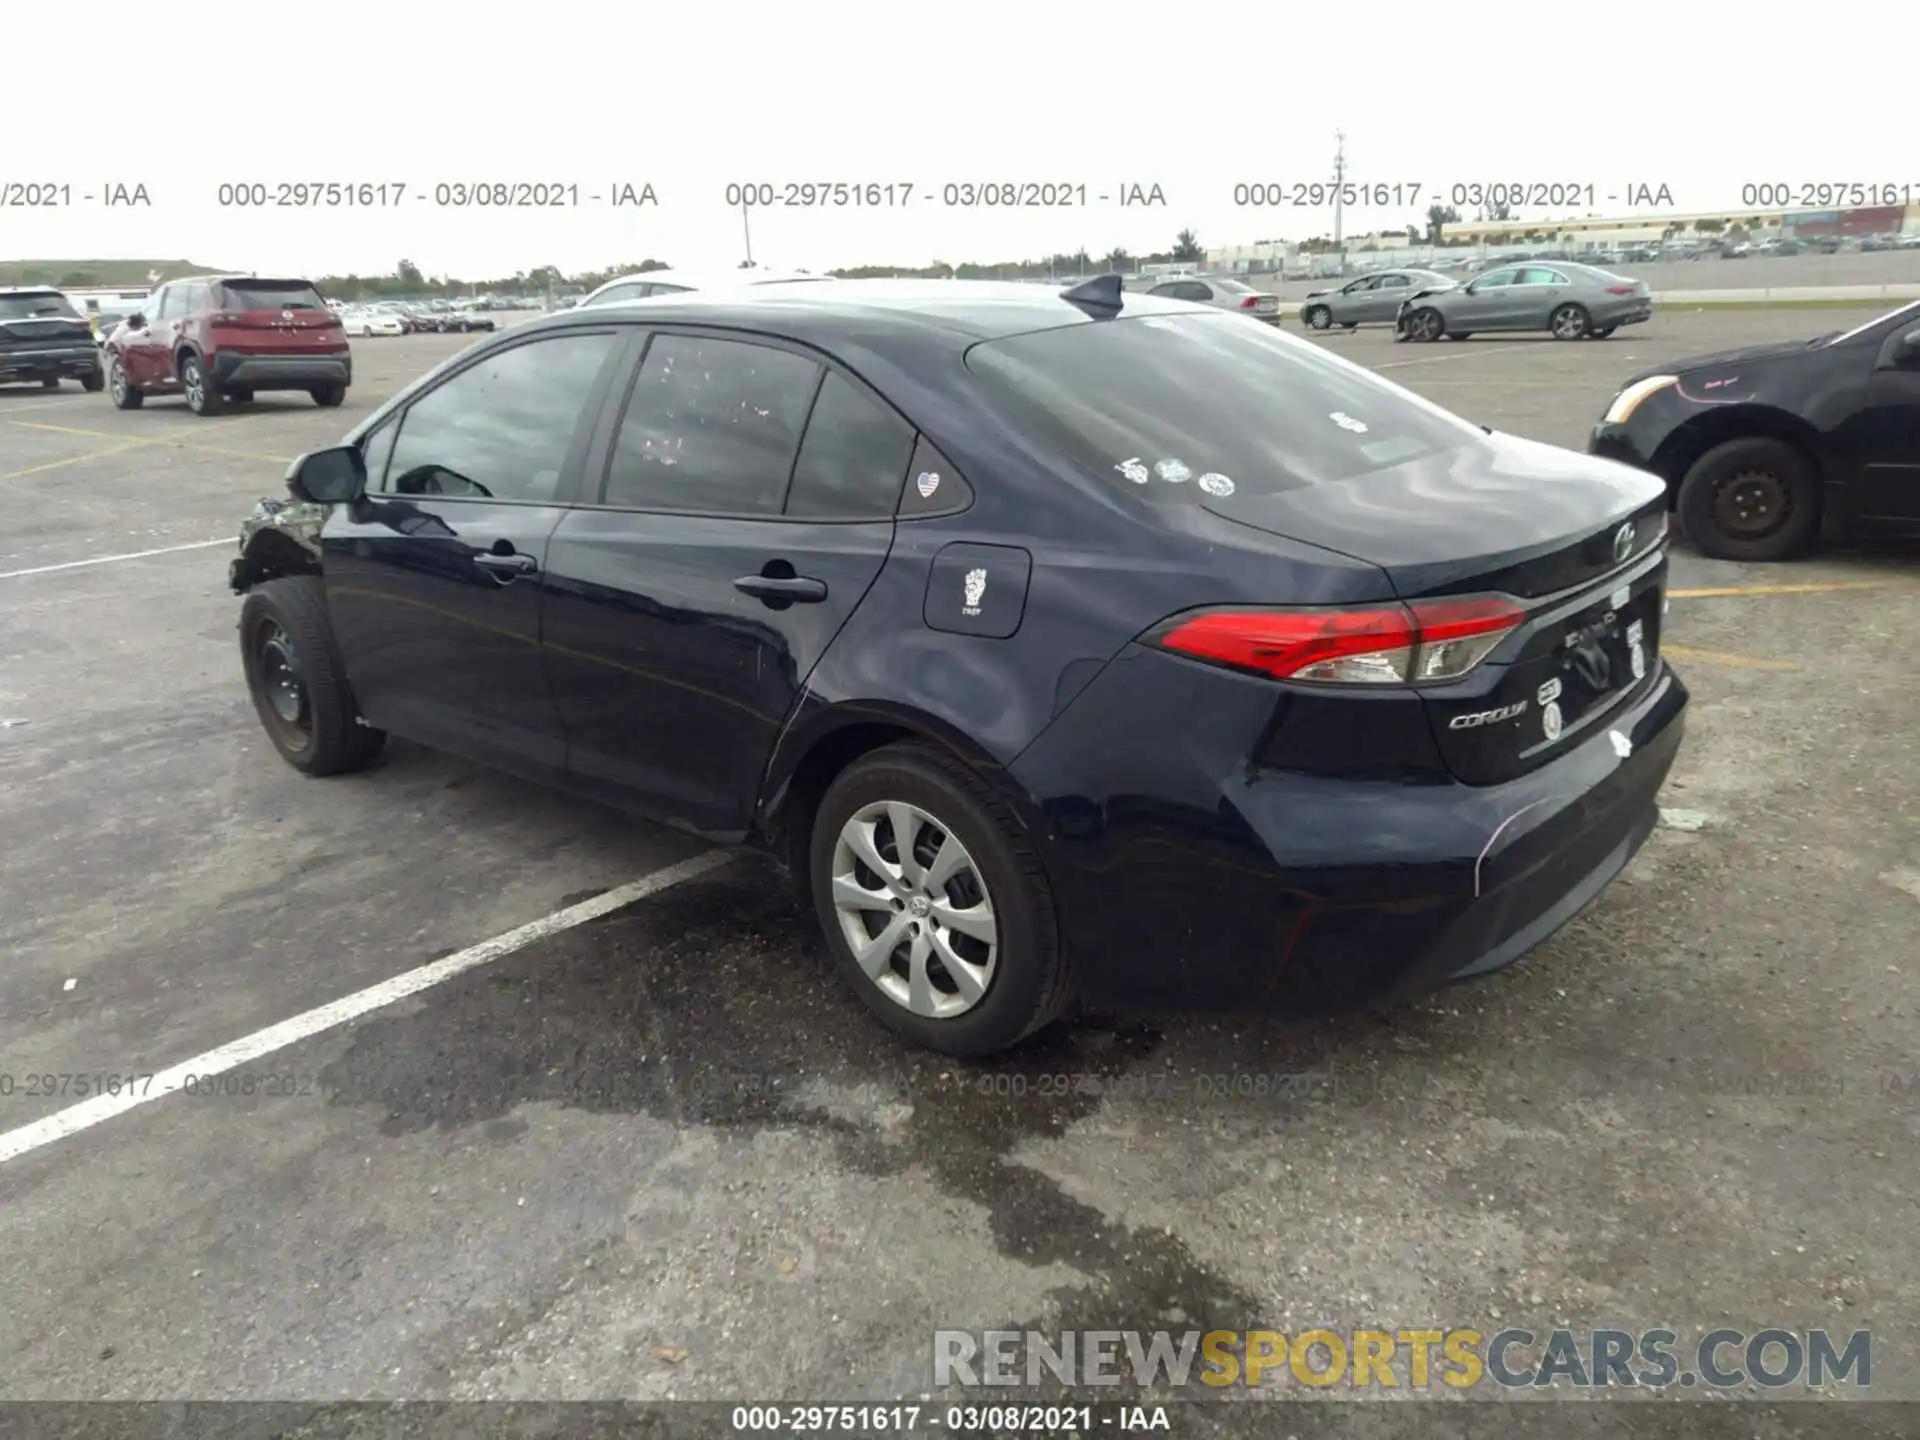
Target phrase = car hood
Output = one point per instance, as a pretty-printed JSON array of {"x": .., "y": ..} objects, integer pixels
[
  {"x": 1497, "y": 506},
  {"x": 1746, "y": 354}
]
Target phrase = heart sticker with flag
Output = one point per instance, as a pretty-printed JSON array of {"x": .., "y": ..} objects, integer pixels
[{"x": 927, "y": 484}]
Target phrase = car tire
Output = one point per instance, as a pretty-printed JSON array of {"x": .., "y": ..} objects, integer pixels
[
  {"x": 1601, "y": 333},
  {"x": 1755, "y": 498},
  {"x": 1426, "y": 325},
  {"x": 366, "y": 332},
  {"x": 125, "y": 397},
  {"x": 1570, "y": 322},
  {"x": 328, "y": 395},
  {"x": 202, "y": 398},
  {"x": 297, "y": 680},
  {"x": 1317, "y": 317},
  {"x": 93, "y": 382},
  {"x": 1026, "y": 985}
]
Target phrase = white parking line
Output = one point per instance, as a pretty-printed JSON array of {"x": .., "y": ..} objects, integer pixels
[
  {"x": 88, "y": 1113},
  {"x": 1465, "y": 352},
  {"x": 109, "y": 559}
]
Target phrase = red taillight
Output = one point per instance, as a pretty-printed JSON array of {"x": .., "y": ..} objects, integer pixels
[
  {"x": 1250, "y": 302},
  {"x": 1385, "y": 644},
  {"x": 1623, "y": 289}
]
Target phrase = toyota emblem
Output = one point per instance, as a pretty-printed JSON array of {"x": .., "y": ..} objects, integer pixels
[
  {"x": 1623, "y": 541},
  {"x": 288, "y": 315}
]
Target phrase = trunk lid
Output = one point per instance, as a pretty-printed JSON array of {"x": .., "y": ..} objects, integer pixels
[
  {"x": 1581, "y": 543},
  {"x": 1509, "y": 515},
  {"x": 275, "y": 317}
]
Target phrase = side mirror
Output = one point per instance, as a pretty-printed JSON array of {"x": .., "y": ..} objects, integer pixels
[
  {"x": 328, "y": 477},
  {"x": 1906, "y": 349}
]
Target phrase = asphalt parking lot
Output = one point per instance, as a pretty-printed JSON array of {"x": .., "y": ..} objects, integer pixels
[{"x": 662, "y": 1153}]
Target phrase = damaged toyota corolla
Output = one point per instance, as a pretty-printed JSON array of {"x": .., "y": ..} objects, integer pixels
[{"x": 1066, "y": 646}]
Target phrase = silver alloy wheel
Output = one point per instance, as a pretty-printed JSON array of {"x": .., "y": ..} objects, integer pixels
[
  {"x": 1569, "y": 323},
  {"x": 914, "y": 909},
  {"x": 1320, "y": 318},
  {"x": 194, "y": 383},
  {"x": 117, "y": 380}
]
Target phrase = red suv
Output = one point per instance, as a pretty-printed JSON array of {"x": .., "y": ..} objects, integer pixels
[{"x": 217, "y": 338}]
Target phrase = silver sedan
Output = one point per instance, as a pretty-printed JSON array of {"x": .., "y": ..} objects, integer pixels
[
  {"x": 1370, "y": 300},
  {"x": 1567, "y": 300},
  {"x": 1226, "y": 294}
]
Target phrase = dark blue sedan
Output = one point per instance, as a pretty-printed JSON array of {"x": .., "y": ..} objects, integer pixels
[{"x": 1069, "y": 645}]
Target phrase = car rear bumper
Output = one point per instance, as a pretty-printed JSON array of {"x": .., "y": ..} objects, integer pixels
[
  {"x": 282, "y": 372},
  {"x": 55, "y": 361},
  {"x": 1183, "y": 881}
]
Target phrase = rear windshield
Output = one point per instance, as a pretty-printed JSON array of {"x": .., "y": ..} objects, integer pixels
[
  {"x": 271, "y": 295},
  {"x": 1231, "y": 287},
  {"x": 1167, "y": 403},
  {"x": 28, "y": 307}
]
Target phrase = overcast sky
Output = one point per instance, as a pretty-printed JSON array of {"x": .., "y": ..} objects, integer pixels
[{"x": 691, "y": 98}]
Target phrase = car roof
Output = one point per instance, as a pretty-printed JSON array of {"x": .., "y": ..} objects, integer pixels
[
  {"x": 965, "y": 311},
  {"x": 704, "y": 280}
]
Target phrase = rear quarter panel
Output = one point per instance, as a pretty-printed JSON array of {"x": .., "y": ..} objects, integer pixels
[{"x": 1105, "y": 567}]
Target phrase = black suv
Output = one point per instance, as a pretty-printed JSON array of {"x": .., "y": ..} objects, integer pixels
[{"x": 42, "y": 337}]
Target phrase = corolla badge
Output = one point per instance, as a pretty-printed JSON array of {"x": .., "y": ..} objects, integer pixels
[
  {"x": 1486, "y": 717},
  {"x": 976, "y": 589}
]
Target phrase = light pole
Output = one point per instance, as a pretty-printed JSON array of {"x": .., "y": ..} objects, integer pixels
[{"x": 1339, "y": 178}]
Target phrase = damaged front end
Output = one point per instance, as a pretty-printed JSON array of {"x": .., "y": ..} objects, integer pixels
[{"x": 280, "y": 537}]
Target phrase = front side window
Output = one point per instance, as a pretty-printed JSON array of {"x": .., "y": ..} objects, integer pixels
[
  {"x": 501, "y": 428},
  {"x": 711, "y": 427}
]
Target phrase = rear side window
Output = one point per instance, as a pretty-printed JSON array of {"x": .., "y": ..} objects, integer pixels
[
  {"x": 27, "y": 307},
  {"x": 853, "y": 458},
  {"x": 712, "y": 427},
  {"x": 1168, "y": 405},
  {"x": 270, "y": 295}
]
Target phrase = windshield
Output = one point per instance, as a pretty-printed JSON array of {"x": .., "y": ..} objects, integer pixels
[
  {"x": 1911, "y": 312},
  {"x": 271, "y": 295},
  {"x": 1210, "y": 398},
  {"x": 29, "y": 307}
]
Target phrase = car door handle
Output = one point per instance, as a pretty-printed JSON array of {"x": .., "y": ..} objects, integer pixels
[
  {"x": 797, "y": 589},
  {"x": 507, "y": 564}
]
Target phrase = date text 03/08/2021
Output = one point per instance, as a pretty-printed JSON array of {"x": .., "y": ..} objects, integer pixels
[
  {"x": 870, "y": 1418},
  {"x": 1271, "y": 194},
  {"x": 470, "y": 194},
  {"x": 976, "y": 194}
]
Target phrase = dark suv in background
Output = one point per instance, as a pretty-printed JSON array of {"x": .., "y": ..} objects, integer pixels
[
  {"x": 42, "y": 337},
  {"x": 220, "y": 338}
]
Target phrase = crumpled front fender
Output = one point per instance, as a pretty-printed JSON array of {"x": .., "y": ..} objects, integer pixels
[{"x": 279, "y": 537}]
